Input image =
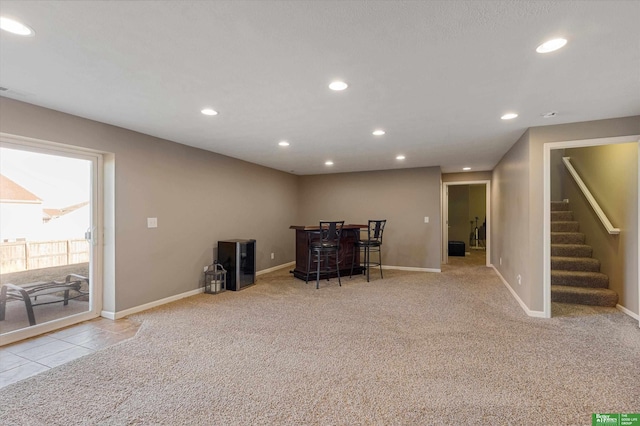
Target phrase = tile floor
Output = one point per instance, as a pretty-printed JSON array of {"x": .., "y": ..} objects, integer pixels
[{"x": 32, "y": 356}]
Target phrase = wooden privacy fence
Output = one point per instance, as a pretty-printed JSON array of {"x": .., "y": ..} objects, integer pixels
[{"x": 26, "y": 255}]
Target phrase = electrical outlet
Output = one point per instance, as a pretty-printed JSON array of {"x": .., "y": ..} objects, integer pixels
[
  {"x": 426, "y": 219},
  {"x": 272, "y": 256},
  {"x": 519, "y": 279},
  {"x": 500, "y": 261},
  {"x": 152, "y": 222}
]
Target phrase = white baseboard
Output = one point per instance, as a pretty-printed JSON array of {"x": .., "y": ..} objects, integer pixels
[
  {"x": 108, "y": 315},
  {"x": 154, "y": 304},
  {"x": 529, "y": 312},
  {"x": 121, "y": 314},
  {"x": 409, "y": 268},
  {"x": 540, "y": 314},
  {"x": 628, "y": 312},
  {"x": 275, "y": 268}
]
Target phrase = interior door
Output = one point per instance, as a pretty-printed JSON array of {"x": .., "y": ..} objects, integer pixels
[
  {"x": 466, "y": 205},
  {"x": 49, "y": 246}
]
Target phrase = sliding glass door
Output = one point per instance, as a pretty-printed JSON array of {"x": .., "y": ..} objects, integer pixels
[{"x": 49, "y": 247}]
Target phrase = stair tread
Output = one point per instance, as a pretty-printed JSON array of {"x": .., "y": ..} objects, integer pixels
[
  {"x": 567, "y": 237},
  {"x": 571, "y": 250},
  {"x": 565, "y": 226},
  {"x": 565, "y": 214},
  {"x": 559, "y": 206},
  {"x": 564, "y": 272},
  {"x": 575, "y": 263},
  {"x": 584, "y": 295},
  {"x": 575, "y": 259},
  {"x": 579, "y": 279},
  {"x": 582, "y": 290}
]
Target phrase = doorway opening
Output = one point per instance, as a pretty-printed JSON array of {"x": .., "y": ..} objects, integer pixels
[
  {"x": 608, "y": 169},
  {"x": 466, "y": 225},
  {"x": 51, "y": 253}
]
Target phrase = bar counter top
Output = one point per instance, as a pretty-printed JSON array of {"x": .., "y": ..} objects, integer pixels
[{"x": 316, "y": 227}]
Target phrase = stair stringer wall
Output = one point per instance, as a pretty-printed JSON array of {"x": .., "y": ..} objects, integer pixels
[
  {"x": 611, "y": 174},
  {"x": 510, "y": 237}
]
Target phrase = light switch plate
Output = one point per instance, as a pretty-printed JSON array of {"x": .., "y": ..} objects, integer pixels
[{"x": 152, "y": 222}]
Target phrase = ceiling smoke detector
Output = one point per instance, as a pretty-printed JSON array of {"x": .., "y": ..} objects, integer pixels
[{"x": 550, "y": 114}]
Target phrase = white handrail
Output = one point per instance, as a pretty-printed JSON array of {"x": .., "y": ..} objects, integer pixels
[{"x": 594, "y": 204}]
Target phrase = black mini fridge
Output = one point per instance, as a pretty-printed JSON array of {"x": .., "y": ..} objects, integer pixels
[
  {"x": 456, "y": 248},
  {"x": 238, "y": 257}
]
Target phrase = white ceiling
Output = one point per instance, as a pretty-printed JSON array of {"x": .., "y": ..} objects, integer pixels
[{"x": 436, "y": 75}]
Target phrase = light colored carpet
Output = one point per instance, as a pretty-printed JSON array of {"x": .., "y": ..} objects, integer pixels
[{"x": 410, "y": 349}]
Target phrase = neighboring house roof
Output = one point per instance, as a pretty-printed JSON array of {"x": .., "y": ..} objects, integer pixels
[
  {"x": 12, "y": 192},
  {"x": 55, "y": 213},
  {"x": 72, "y": 224}
]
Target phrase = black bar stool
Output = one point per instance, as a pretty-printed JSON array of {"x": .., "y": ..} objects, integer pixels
[
  {"x": 372, "y": 244},
  {"x": 327, "y": 244}
]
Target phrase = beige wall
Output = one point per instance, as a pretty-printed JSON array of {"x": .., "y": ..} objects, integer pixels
[
  {"x": 616, "y": 190},
  {"x": 510, "y": 219},
  {"x": 557, "y": 172},
  {"x": 477, "y": 204},
  {"x": 403, "y": 197},
  {"x": 199, "y": 197}
]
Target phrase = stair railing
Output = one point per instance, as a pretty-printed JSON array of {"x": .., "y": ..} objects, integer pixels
[{"x": 594, "y": 204}]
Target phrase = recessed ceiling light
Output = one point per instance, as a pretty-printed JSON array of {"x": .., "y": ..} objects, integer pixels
[
  {"x": 466, "y": 168},
  {"x": 328, "y": 163},
  {"x": 509, "y": 116},
  {"x": 378, "y": 132},
  {"x": 209, "y": 111},
  {"x": 338, "y": 85},
  {"x": 400, "y": 157},
  {"x": 283, "y": 143},
  {"x": 15, "y": 27},
  {"x": 551, "y": 45}
]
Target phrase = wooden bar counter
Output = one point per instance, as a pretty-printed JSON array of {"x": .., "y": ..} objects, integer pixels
[{"x": 306, "y": 234}]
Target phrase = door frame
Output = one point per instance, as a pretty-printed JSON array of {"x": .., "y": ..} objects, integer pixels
[
  {"x": 445, "y": 217},
  {"x": 546, "y": 256},
  {"x": 97, "y": 208}
]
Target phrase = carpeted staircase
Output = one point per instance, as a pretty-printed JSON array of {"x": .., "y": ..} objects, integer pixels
[{"x": 575, "y": 275}]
